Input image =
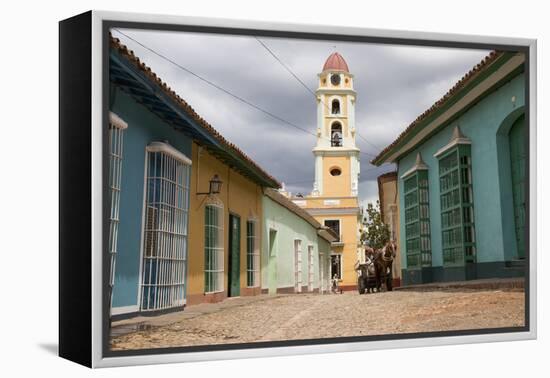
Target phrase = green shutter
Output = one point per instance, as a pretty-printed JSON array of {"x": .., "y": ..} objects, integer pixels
[
  {"x": 457, "y": 207},
  {"x": 250, "y": 235},
  {"x": 417, "y": 220}
]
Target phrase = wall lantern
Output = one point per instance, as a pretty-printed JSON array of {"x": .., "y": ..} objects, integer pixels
[{"x": 215, "y": 186}]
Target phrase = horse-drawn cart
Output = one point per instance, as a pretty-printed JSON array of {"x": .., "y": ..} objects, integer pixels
[
  {"x": 376, "y": 270},
  {"x": 366, "y": 276}
]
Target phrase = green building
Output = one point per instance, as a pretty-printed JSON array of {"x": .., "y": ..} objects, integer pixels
[
  {"x": 295, "y": 248},
  {"x": 462, "y": 178}
]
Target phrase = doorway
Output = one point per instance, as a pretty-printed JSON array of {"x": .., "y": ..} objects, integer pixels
[
  {"x": 272, "y": 261},
  {"x": 516, "y": 138},
  {"x": 234, "y": 284}
]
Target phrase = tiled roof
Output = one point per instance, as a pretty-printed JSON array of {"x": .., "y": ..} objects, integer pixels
[
  {"x": 285, "y": 202},
  {"x": 336, "y": 62},
  {"x": 129, "y": 54},
  {"x": 467, "y": 78},
  {"x": 291, "y": 206}
]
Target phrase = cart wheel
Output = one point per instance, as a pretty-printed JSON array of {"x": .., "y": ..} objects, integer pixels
[{"x": 361, "y": 285}]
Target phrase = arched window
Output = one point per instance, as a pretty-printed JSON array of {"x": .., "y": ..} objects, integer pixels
[
  {"x": 336, "y": 135},
  {"x": 335, "y": 106},
  {"x": 213, "y": 246}
]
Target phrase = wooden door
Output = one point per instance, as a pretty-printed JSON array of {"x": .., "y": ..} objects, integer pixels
[{"x": 234, "y": 256}]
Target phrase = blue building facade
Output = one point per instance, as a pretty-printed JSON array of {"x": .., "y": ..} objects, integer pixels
[
  {"x": 143, "y": 128},
  {"x": 462, "y": 179},
  {"x": 151, "y": 135}
]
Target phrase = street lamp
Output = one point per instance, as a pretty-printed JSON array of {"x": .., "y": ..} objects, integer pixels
[{"x": 215, "y": 186}]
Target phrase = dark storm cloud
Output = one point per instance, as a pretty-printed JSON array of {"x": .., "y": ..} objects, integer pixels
[{"x": 394, "y": 85}]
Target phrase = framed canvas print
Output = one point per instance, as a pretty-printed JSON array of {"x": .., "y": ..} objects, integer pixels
[{"x": 234, "y": 189}]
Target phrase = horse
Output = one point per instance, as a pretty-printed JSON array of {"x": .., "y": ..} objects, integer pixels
[{"x": 383, "y": 261}]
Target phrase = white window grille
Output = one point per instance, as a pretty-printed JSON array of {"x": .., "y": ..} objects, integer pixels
[
  {"x": 298, "y": 266},
  {"x": 310, "y": 268},
  {"x": 165, "y": 228},
  {"x": 116, "y": 142},
  {"x": 252, "y": 254},
  {"x": 321, "y": 272},
  {"x": 336, "y": 266},
  {"x": 213, "y": 248}
]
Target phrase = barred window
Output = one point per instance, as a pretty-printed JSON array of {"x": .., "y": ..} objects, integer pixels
[
  {"x": 213, "y": 248},
  {"x": 116, "y": 142},
  {"x": 310, "y": 263},
  {"x": 252, "y": 254},
  {"x": 165, "y": 227},
  {"x": 297, "y": 266}
]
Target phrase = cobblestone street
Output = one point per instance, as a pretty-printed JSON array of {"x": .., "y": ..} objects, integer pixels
[{"x": 285, "y": 317}]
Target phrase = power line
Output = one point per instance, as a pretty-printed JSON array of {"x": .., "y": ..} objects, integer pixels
[
  {"x": 226, "y": 91},
  {"x": 305, "y": 86},
  {"x": 286, "y": 67},
  {"x": 366, "y": 140}
]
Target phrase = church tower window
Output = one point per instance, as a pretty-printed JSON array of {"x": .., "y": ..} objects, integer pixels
[
  {"x": 335, "y": 107},
  {"x": 335, "y": 171}
]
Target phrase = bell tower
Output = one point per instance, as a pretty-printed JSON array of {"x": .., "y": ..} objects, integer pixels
[
  {"x": 334, "y": 200},
  {"x": 336, "y": 154}
]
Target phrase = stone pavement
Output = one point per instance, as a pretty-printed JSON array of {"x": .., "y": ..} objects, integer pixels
[
  {"x": 306, "y": 316},
  {"x": 137, "y": 323},
  {"x": 482, "y": 284}
]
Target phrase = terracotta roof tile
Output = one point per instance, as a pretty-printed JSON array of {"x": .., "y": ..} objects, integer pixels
[
  {"x": 467, "y": 78},
  {"x": 285, "y": 202},
  {"x": 336, "y": 62},
  {"x": 129, "y": 54}
]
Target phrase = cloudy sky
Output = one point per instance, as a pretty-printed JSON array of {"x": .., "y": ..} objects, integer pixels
[{"x": 394, "y": 85}]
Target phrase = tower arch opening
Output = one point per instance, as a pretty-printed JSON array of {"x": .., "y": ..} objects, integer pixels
[{"x": 336, "y": 134}]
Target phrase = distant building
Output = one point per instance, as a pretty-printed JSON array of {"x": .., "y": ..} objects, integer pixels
[
  {"x": 462, "y": 178},
  {"x": 389, "y": 209},
  {"x": 333, "y": 201},
  {"x": 295, "y": 248}
]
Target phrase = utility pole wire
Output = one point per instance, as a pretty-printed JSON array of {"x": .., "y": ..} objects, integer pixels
[{"x": 237, "y": 97}]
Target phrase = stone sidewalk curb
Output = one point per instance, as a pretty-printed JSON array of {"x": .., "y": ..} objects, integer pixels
[{"x": 483, "y": 284}]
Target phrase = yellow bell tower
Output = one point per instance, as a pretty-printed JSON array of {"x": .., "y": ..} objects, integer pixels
[
  {"x": 336, "y": 155},
  {"x": 333, "y": 200}
]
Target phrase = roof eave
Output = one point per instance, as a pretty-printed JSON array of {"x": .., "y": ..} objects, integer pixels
[
  {"x": 391, "y": 154},
  {"x": 199, "y": 133}
]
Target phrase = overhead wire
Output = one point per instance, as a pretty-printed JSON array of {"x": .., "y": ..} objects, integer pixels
[
  {"x": 289, "y": 70},
  {"x": 222, "y": 89}
]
